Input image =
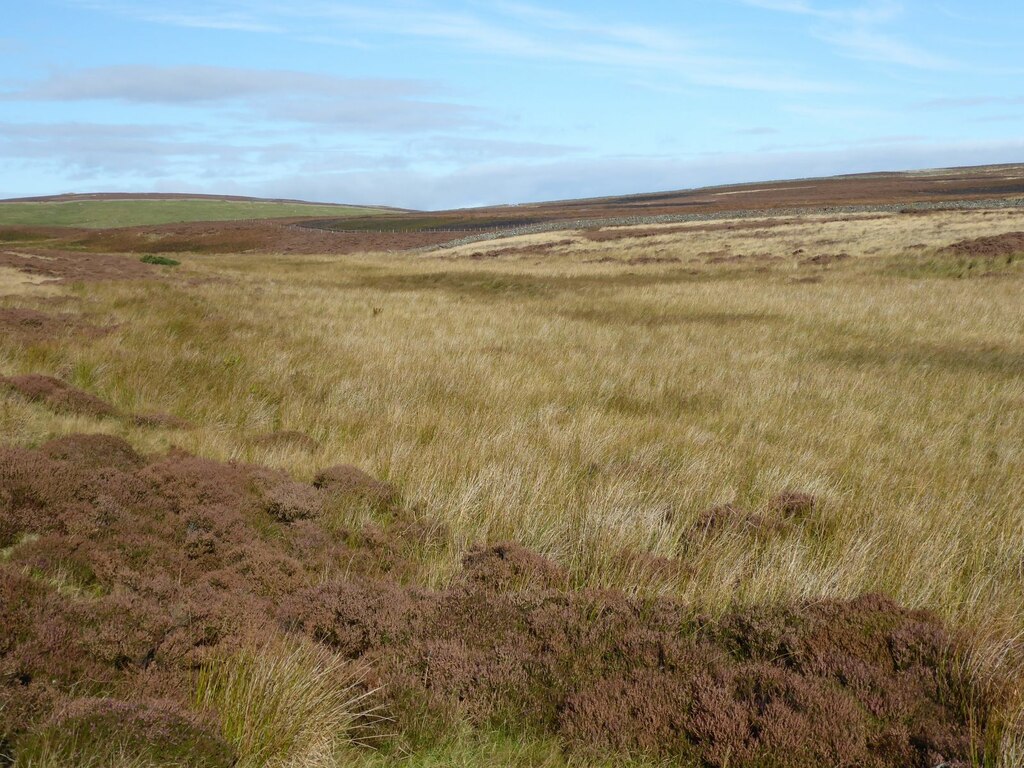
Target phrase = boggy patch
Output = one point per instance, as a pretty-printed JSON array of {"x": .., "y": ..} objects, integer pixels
[
  {"x": 493, "y": 284},
  {"x": 122, "y": 574}
]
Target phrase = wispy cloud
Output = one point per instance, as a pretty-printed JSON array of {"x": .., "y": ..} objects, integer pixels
[
  {"x": 961, "y": 102},
  {"x": 871, "y": 13},
  {"x": 370, "y": 104},
  {"x": 504, "y": 29},
  {"x": 201, "y": 18},
  {"x": 871, "y": 45},
  {"x": 858, "y": 31}
]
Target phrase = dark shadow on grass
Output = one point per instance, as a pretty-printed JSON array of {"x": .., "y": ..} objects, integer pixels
[
  {"x": 627, "y": 314},
  {"x": 992, "y": 359},
  {"x": 493, "y": 284}
]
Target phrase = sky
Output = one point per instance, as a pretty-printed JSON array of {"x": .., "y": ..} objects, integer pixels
[{"x": 434, "y": 104}]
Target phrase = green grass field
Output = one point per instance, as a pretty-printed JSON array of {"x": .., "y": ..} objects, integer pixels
[{"x": 101, "y": 214}]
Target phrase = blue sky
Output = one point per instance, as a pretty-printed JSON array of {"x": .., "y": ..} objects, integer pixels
[{"x": 447, "y": 103}]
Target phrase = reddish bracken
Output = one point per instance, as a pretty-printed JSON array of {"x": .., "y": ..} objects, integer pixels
[{"x": 121, "y": 574}]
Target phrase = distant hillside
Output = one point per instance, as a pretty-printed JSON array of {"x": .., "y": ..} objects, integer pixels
[{"x": 121, "y": 210}]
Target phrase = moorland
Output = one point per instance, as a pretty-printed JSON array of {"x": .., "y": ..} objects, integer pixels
[{"x": 725, "y": 477}]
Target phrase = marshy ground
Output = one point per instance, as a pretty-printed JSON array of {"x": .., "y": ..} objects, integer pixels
[{"x": 731, "y": 493}]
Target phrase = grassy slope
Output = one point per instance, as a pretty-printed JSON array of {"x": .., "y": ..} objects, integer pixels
[
  {"x": 593, "y": 409},
  {"x": 127, "y": 213}
]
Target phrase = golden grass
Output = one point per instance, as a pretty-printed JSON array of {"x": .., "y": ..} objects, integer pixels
[
  {"x": 285, "y": 707},
  {"x": 14, "y": 282},
  {"x": 591, "y": 409}
]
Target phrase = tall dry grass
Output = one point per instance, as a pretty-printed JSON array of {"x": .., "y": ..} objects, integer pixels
[
  {"x": 591, "y": 408},
  {"x": 294, "y": 706}
]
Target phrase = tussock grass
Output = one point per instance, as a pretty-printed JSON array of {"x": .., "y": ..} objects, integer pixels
[
  {"x": 285, "y": 707},
  {"x": 593, "y": 409}
]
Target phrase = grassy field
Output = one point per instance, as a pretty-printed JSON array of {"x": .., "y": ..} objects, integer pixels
[
  {"x": 130, "y": 213},
  {"x": 591, "y": 399}
]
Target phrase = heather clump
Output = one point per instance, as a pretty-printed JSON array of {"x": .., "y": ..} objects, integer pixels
[
  {"x": 792, "y": 505},
  {"x": 837, "y": 683},
  {"x": 94, "y": 451},
  {"x": 102, "y": 731},
  {"x": 30, "y": 326},
  {"x": 291, "y": 501},
  {"x": 350, "y": 483},
  {"x": 509, "y": 565},
  {"x": 127, "y": 581},
  {"x": 58, "y": 395}
]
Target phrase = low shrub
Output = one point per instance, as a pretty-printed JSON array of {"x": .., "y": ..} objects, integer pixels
[{"x": 162, "y": 261}]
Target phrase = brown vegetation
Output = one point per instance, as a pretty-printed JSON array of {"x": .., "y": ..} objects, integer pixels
[
  {"x": 348, "y": 482},
  {"x": 58, "y": 395},
  {"x": 570, "y": 401},
  {"x": 996, "y": 246},
  {"x": 122, "y": 575},
  {"x": 30, "y": 325},
  {"x": 71, "y": 266}
]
